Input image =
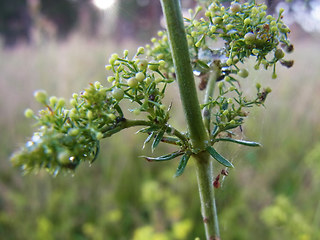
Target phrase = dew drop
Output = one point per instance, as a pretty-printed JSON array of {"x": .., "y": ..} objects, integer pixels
[
  {"x": 196, "y": 73},
  {"x": 72, "y": 159}
]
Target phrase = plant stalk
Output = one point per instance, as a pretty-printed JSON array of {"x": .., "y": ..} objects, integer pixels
[
  {"x": 190, "y": 103},
  {"x": 184, "y": 73}
]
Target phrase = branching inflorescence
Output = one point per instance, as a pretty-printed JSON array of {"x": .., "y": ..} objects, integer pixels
[{"x": 69, "y": 134}]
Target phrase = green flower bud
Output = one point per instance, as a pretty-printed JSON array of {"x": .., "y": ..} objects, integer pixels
[
  {"x": 225, "y": 112},
  {"x": 247, "y": 21},
  {"x": 262, "y": 14},
  {"x": 99, "y": 135},
  {"x": 281, "y": 10},
  {"x": 142, "y": 65},
  {"x": 278, "y": 54},
  {"x": 117, "y": 93},
  {"x": 208, "y": 14},
  {"x": 64, "y": 157},
  {"x": 255, "y": 51},
  {"x": 140, "y": 76},
  {"x": 232, "y": 88},
  {"x": 28, "y": 113},
  {"x": 254, "y": 11},
  {"x": 243, "y": 73},
  {"x": 125, "y": 53},
  {"x": 163, "y": 107},
  {"x": 53, "y": 100},
  {"x": 269, "y": 17},
  {"x": 162, "y": 63},
  {"x": 229, "y": 100},
  {"x": 73, "y": 113},
  {"x": 73, "y": 132},
  {"x": 229, "y": 62},
  {"x": 89, "y": 115},
  {"x": 249, "y": 37},
  {"x": 108, "y": 67},
  {"x": 273, "y": 23},
  {"x": 258, "y": 86},
  {"x": 73, "y": 102},
  {"x": 160, "y": 33},
  {"x": 97, "y": 85},
  {"x": 213, "y": 29},
  {"x": 235, "y": 7},
  {"x": 264, "y": 7},
  {"x": 110, "y": 79},
  {"x": 217, "y": 20},
  {"x": 41, "y": 96},
  {"x": 61, "y": 103},
  {"x": 153, "y": 66},
  {"x": 132, "y": 82},
  {"x": 229, "y": 27},
  {"x": 274, "y": 75},
  {"x": 274, "y": 29},
  {"x": 268, "y": 90},
  {"x": 140, "y": 50},
  {"x": 112, "y": 116}
]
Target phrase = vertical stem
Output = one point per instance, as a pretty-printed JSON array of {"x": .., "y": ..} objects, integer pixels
[
  {"x": 206, "y": 113},
  {"x": 206, "y": 191},
  {"x": 184, "y": 73},
  {"x": 190, "y": 103}
]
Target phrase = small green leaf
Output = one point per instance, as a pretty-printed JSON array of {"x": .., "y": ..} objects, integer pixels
[
  {"x": 148, "y": 129},
  {"x": 242, "y": 142},
  {"x": 203, "y": 65},
  {"x": 218, "y": 157},
  {"x": 182, "y": 164},
  {"x": 157, "y": 139},
  {"x": 147, "y": 140},
  {"x": 164, "y": 157}
]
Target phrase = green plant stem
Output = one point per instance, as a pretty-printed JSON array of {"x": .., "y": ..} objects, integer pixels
[
  {"x": 206, "y": 112},
  {"x": 188, "y": 94},
  {"x": 126, "y": 123},
  {"x": 184, "y": 73}
]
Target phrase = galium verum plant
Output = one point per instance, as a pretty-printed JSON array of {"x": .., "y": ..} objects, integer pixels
[{"x": 70, "y": 133}]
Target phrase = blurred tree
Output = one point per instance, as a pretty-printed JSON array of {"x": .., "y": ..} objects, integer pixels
[{"x": 15, "y": 22}]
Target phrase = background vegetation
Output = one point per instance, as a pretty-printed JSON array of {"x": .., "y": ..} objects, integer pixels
[{"x": 273, "y": 192}]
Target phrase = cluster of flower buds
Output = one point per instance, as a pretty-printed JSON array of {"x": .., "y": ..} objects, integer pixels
[
  {"x": 229, "y": 107},
  {"x": 68, "y": 136}
]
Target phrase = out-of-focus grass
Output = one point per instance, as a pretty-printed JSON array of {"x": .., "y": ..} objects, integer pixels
[{"x": 271, "y": 191}]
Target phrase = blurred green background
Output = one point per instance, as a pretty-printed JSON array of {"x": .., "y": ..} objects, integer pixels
[{"x": 273, "y": 192}]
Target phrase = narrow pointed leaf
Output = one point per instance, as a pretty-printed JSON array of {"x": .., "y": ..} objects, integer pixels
[
  {"x": 148, "y": 129},
  {"x": 147, "y": 140},
  {"x": 242, "y": 142},
  {"x": 182, "y": 164},
  {"x": 166, "y": 157},
  {"x": 218, "y": 157},
  {"x": 157, "y": 139}
]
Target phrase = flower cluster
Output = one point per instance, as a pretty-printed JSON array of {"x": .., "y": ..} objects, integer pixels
[{"x": 68, "y": 136}]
